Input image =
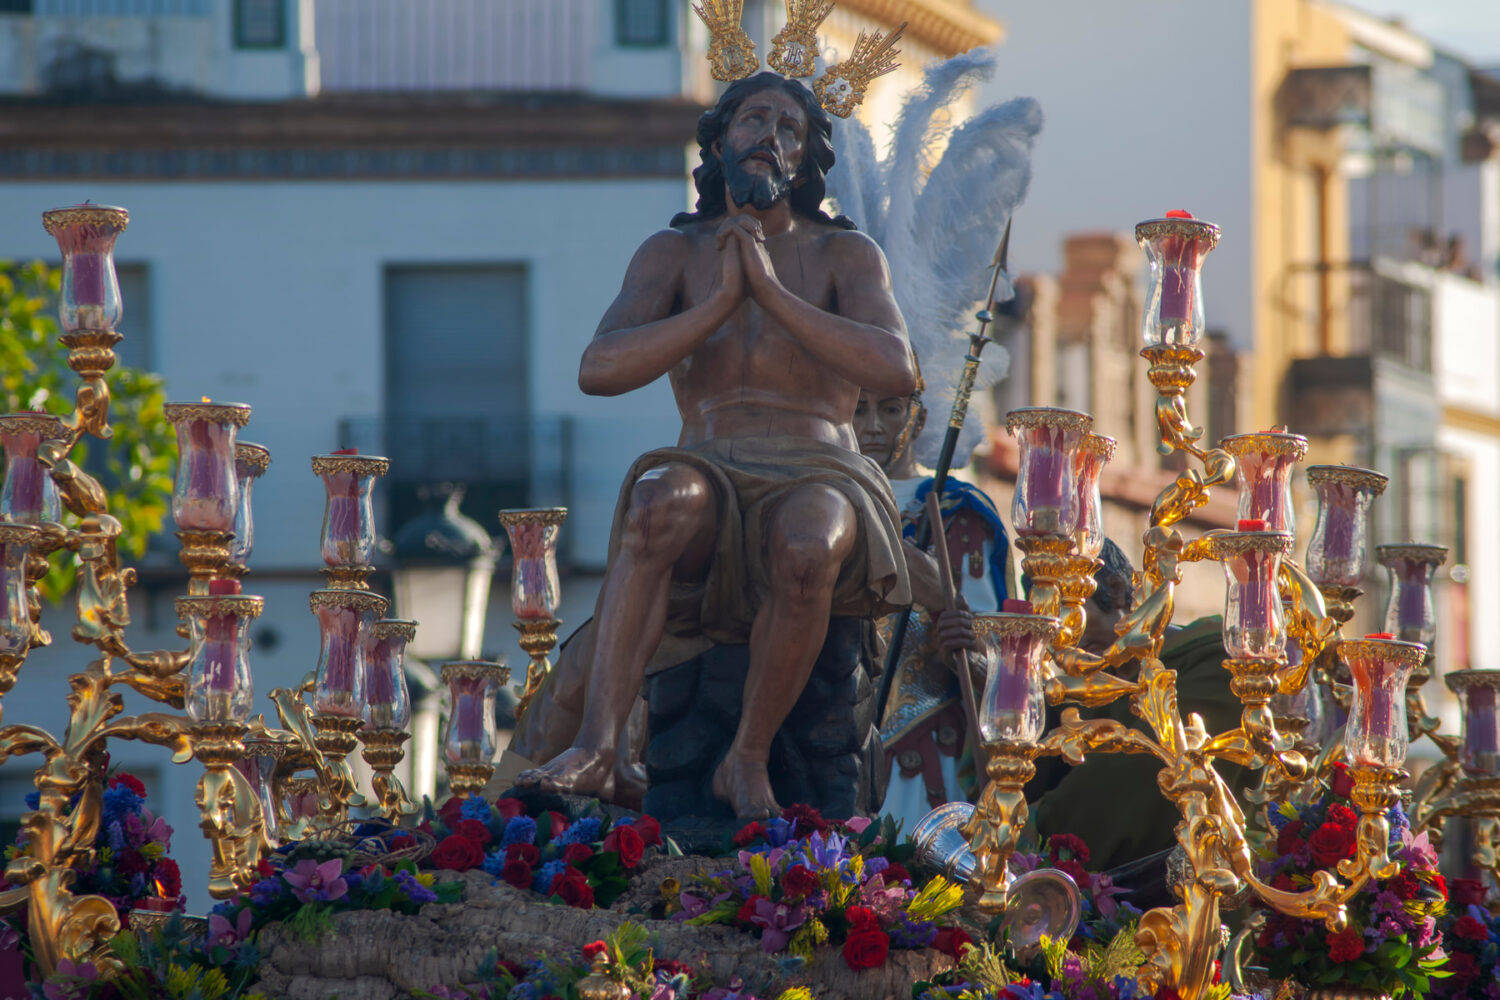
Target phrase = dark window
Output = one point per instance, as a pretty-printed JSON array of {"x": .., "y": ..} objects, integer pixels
[
  {"x": 641, "y": 23},
  {"x": 135, "y": 320},
  {"x": 15, "y": 7},
  {"x": 259, "y": 24},
  {"x": 457, "y": 407}
]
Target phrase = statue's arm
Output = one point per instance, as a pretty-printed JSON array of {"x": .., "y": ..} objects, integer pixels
[
  {"x": 864, "y": 338},
  {"x": 646, "y": 332}
]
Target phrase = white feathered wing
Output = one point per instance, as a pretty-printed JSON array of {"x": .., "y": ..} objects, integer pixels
[{"x": 937, "y": 205}]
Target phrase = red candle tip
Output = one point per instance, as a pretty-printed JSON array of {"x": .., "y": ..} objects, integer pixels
[
  {"x": 1015, "y": 606},
  {"x": 1178, "y": 213},
  {"x": 223, "y": 588},
  {"x": 1252, "y": 524},
  {"x": 1381, "y": 635},
  {"x": 347, "y": 451}
]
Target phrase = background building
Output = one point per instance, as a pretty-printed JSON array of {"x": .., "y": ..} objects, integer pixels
[{"x": 383, "y": 224}]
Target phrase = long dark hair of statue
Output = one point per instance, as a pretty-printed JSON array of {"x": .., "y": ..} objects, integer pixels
[{"x": 806, "y": 197}]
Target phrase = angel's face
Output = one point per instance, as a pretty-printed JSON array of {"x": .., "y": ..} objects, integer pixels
[{"x": 880, "y": 423}]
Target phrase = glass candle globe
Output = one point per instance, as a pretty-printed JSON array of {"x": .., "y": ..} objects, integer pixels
[
  {"x": 29, "y": 495},
  {"x": 1093, "y": 455},
  {"x": 1337, "y": 553},
  {"x": 1254, "y": 623},
  {"x": 206, "y": 491},
  {"x": 345, "y": 618},
  {"x": 1013, "y": 706},
  {"x": 534, "y": 587},
  {"x": 1478, "y": 692},
  {"x": 1265, "y": 463},
  {"x": 16, "y": 541},
  {"x": 90, "y": 295},
  {"x": 1046, "y": 500},
  {"x": 472, "y": 687},
  {"x": 250, "y": 463},
  {"x": 1409, "y": 614},
  {"x": 387, "y": 699},
  {"x": 1175, "y": 247},
  {"x": 220, "y": 688},
  {"x": 1375, "y": 735},
  {"x": 348, "y": 537}
]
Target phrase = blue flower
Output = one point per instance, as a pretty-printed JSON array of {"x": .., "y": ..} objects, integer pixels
[
  {"x": 585, "y": 831},
  {"x": 475, "y": 807},
  {"x": 120, "y": 802},
  {"x": 265, "y": 892},
  {"x": 116, "y": 834},
  {"x": 520, "y": 830},
  {"x": 353, "y": 880},
  {"x": 33, "y": 800},
  {"x": 494, "y": 862},
  {"x": 542, "y": 881},
  {"x": 913, "y": 933},
  {"x": 778, "y": 831}
]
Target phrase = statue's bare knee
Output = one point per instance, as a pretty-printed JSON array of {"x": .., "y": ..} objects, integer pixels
[
  {"x": 812, "y": 534},
  {"x": 670, "y": 506}
]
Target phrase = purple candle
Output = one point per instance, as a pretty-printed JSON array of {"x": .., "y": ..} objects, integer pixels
[
  {"x": 1046, "y": 498},
  {"x": 1179, "y": 274},
  {"x": 1379, "y": 666},
  {"x": 348, "y": 537},
  {"x": 533, "y": 532},
  {"x": 1253, "y": 622},
  {"x": 1481, "y": 730},
  {"x": 1012, "y": 706},
  {"x": 28, "y": 496},
  {"x": 1336, "y": 552},
  {"x": 345, "y": 618},
  {"x": 206, "y": 491}
]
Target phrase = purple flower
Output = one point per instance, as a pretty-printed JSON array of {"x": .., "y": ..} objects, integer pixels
[
  {"x": 222, "y": 933},
  {"x": 778, "y": 831},
  {"x": 778, "y": 920},
  {"x": 825, "y": 851},
  {"x": 264, "y": 892},
  {"x": 115, "y": 834},
  {"x": 414, "y": 889},
  {"x": 312, "y": 882},
  {"x": 10, "y": 938},
  {"x": 71, "y": 982}
]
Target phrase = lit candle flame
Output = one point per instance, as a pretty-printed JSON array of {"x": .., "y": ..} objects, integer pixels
[
  {"x": 206, "y": 399},
  {"x": 161, "y": 890}
]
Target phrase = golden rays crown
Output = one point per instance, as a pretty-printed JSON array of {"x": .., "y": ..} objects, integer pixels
[{"x": 794, "y": 50}]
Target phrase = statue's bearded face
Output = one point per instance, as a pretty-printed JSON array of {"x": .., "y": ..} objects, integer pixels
[{"x": 762, "y": 149}]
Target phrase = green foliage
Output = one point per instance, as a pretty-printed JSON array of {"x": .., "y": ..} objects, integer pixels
[
  {"x": 166, "y": 964},
  {"x": 135, "y": 467}
]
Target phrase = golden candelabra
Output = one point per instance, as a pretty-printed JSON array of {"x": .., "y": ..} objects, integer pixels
[{"x": 1051, "y": 519}]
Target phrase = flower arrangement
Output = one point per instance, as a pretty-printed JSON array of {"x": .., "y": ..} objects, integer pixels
[
  {"x": 1102, "y": 913},
  {"x": 305, "y": 890},
  {"x": 801, "y": 882},
  {"x": 129, "y": 865},
  {"x": 169, "y": 964},
  {"x": 1471, "y": 936},
  {"x": 1392, "y": 944},
  {"x": 625, "y": 958},
  {"x": 583, "y": 863}
]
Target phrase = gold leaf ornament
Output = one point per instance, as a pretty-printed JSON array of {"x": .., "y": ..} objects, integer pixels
[
  {"x": 842, "y": 86},
  {"x": 794, "y": 50},
  {"x": 731, "y": 53}
]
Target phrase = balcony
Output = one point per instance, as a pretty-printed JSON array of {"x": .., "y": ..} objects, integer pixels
[{"x": 1386, "y": 107}]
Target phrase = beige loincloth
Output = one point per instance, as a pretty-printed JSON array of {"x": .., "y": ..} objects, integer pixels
[{"x": 750, "y": 477}]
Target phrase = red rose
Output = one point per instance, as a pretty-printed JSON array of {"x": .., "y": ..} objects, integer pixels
[
  {"x": 1290, "y": 838},
  {"x": 1331, "y": 843},
  {"x": 1073, "y": 845},
  {"x": 861, "y": 918},
  {"x": 749, "y": 834},
  {"x": 1470, "y": 929},
  {"x": 593, "y": 950},
  {"x": 509, "y": 808},
  {"x": 1439, "y": 883},
  {"x": 457, "y": 854},
  {"x": 896, "y": 873},
  {"x": 1468, "y": 892},
  {"x": 808, "y": 820},
  {"x": 1465, "y": 969},
  {"x": 1405, "y": 886},
  {"x": 866, "y": 949},
  {"x": 952, "y": 941},
  {"x": 575, "y": 854},
  {"x": 130, "y": 781},
  {"x": 170, "y": 878},
  {"x": 799, "y": 881},
  {"x": 573, "y": 889},
  {"x": 473, "y": 830},
  {"x": 1345, "y": 946},
  {"x": 559, "y": 823},
  {"x": 451, "y": 811},
  {"x": 400, "y": 842},
  {"x": 517, "y": 873},
  {"x": 672, "y": 968},
  {"x": 1074, "y": 870},
  {"x": 649, "y": 829},
  {"x": 1343, "y": 816},
  {"x": 748, "y": 910},
  {"x": 628, "y": 843},
  {"x": 1342, "y": 784},
  {"x": 523, "y": 852},
  {"x": 264, "y": 868},
  {"x": 1283, "y": 881},
  {"x": 132, "y": 862}
]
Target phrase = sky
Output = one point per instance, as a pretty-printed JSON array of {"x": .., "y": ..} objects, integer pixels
[{"x": 1469, "y": 28}]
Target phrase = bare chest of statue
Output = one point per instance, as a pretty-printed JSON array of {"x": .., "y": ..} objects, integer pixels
[{"x": 752, "y": 378}]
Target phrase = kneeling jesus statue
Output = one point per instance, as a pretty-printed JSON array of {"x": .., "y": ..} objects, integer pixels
[{"x": 768, "y": 316}]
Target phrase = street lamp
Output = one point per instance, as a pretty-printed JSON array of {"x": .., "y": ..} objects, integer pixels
[{"x": 442, "y": 565}]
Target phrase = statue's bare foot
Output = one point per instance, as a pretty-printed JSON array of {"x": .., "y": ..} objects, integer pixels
[
  {"x": 745, "y": 785},
  {"x": 577, "y": 770}
]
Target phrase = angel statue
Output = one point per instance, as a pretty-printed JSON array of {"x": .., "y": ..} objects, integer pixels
[{"x": 937, "y": 205}]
